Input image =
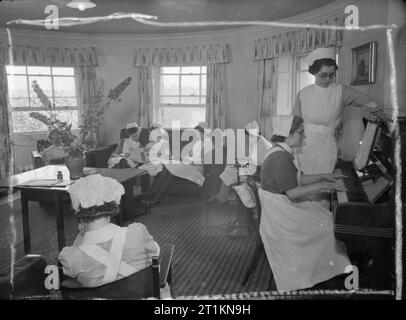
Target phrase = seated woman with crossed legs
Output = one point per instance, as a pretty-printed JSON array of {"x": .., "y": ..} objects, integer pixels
[{"x": 297, "y": 234}]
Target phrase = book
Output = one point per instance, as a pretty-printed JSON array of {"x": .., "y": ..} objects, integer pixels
[{"x": 46, "y": 183}]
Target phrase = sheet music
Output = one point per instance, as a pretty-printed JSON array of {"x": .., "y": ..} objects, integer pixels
[{"x": 361, "y": 159}]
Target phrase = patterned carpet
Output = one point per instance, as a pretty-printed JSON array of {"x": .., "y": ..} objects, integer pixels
[{"x": 206, "y": 261}]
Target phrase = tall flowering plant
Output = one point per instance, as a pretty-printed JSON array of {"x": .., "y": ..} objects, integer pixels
[{"x": 92, "y": 118}]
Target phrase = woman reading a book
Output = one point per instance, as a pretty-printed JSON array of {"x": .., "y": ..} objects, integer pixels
[{"x": 129, "y": 153}]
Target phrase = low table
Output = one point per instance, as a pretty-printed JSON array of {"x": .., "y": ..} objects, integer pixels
[{"x": 56, "y": 195}]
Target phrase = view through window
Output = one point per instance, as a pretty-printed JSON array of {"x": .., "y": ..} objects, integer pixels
[
  {"x": 182, "y": 95},
  {"x": 58, "y": 83}
]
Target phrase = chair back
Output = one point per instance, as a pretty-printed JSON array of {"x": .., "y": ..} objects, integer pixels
[
  {"x": 250, "y": 180},
  {"x": 137, "y": 286}
]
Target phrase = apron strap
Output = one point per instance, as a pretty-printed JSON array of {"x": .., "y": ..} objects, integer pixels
[{"x": 112, "y": 259}]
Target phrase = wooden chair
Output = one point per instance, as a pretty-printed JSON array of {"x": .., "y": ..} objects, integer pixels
[{"x": 143, "y": 284}]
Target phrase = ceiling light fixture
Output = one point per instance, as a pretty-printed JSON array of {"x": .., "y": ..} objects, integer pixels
[{"x": 81, "y": 4}]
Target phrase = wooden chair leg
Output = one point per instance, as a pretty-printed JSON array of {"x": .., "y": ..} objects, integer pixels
[{"x": 254, "y": 260}]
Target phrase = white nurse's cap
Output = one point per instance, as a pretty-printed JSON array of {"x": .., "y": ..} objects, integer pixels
[
  {"x": 95, "y": 190},
  {"x": 252, "y": 128},
  {"x": 131, "y": 125},
  {"x": 281, "y": 125},
  {"x": 320, "y": 53}
]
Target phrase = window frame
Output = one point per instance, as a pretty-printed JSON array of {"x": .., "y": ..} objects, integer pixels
[
  {"x": 158, "y": 94},
  {"x": 52, "y": 98}
]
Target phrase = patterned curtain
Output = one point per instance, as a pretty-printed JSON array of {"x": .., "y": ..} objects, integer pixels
[
  {"x": 216, "y": 95},
  {"x": 144, "y": 95},
  {"x": 86, "y": 86},
  {"x": 213, "y": 56},
  {"x": 6, "y": 142},
  {"x": 267, "y": 86},
  {"x": 41, "y": 56},
  {"x": 299, "y": 41}
]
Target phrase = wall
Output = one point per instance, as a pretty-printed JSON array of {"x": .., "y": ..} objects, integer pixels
[
  {"x": 115, "y": 64},
  {"x": 371, "y": 12}
]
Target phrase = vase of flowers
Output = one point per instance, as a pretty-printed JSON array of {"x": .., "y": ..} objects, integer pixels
[
  {"x": 75, "y": 162},
  {"x": 77, "y": 144}
]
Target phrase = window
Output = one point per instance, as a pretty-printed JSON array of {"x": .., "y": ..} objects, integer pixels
[
  {"x": 182, "y": 95},
  {"x": 58, "y": 84},
  {"x": 292, "y": 77}
]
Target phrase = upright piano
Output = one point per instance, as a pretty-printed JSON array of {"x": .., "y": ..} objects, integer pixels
[{"x": 364, "y": 215}]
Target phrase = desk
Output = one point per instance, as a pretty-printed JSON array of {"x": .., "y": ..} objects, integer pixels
[{"x": 57, "y": 195}]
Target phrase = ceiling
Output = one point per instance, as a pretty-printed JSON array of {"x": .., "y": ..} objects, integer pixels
[{"x": 165, "y": 10}]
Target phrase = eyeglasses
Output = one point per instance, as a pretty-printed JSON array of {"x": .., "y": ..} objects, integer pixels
[{"x": 325, "y": 75}]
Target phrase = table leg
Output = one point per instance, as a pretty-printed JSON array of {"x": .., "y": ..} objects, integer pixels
[
  {"x": 26, "y": 222},
  {"x": 60, "y": 227}
]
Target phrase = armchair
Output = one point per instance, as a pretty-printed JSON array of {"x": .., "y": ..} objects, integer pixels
[{"x": 143, "y": 284}]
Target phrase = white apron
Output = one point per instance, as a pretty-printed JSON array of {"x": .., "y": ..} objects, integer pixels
[
  {"x": 321, "y": 109},
  {"x": 299, "y": 241}
]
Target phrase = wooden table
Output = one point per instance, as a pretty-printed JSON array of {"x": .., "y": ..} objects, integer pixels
[{"x": 56, "y": 195}]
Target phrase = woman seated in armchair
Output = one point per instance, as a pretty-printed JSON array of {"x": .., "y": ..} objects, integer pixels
[
  {"x": 297, "y": 233},
  {"x": 92, "y": 259},
  {"x": 129, "y": 153},
  {"x": 56, "y": 151},
  {"x": 192, "y": 171}
]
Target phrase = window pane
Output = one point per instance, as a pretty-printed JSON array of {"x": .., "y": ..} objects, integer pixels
[
  {"x": 39, "y": 70},
  {"x": 15, "y": 69},
  {"x": 190, "y": 85},
  {"x": 204, "y": 70},
  {"x": 65, "y": 102},
  {"x": 22, "y": 122},
  {"x": 305, "y": 79},
  {"x": 64, "y": 87},
  {"x": 283, "y": 94},
  {"x": 283, "y": 63},
  {"x": 189, "y": 100},
  {"x": 203, "y": 100},
  {"x": 19, "y": 102},
  {"x": 44, "y": 83},
  {"x": 17, "y": 86},
  {"x": 169, "y": 85},
  {"x": 188, "y": 117},
  {"x": 186, "y": 70},
  {"x": 170, "y": 100},
  {"x": 170, "y": 70},
  {"x": 36, "y": 103},
  {"x": 204, "y": 84},
  {"x": 303, "y": 63},
  {"x": 63, "y": 71}
]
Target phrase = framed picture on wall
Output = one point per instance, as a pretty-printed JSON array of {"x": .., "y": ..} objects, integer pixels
[{"x": 364, "y": 64}]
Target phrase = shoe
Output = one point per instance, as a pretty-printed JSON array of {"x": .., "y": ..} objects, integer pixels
[{"x": 239, "y": 232}]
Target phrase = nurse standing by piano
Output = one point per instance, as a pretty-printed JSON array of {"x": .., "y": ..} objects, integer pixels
[
  {"x": 297, "y": 234},
  {"x": 321, "y": 107}
]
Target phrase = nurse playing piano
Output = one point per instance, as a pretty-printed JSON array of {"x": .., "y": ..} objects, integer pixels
[
  {"x": 321, "y": 107},
  {"x": 297, "y": 234}
]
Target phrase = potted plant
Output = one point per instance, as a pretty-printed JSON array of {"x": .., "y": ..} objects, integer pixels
[{"x": 87, "y": 136}]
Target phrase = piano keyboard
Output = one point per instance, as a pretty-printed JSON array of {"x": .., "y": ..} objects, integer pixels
[{"x": 355, "y": 191}]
